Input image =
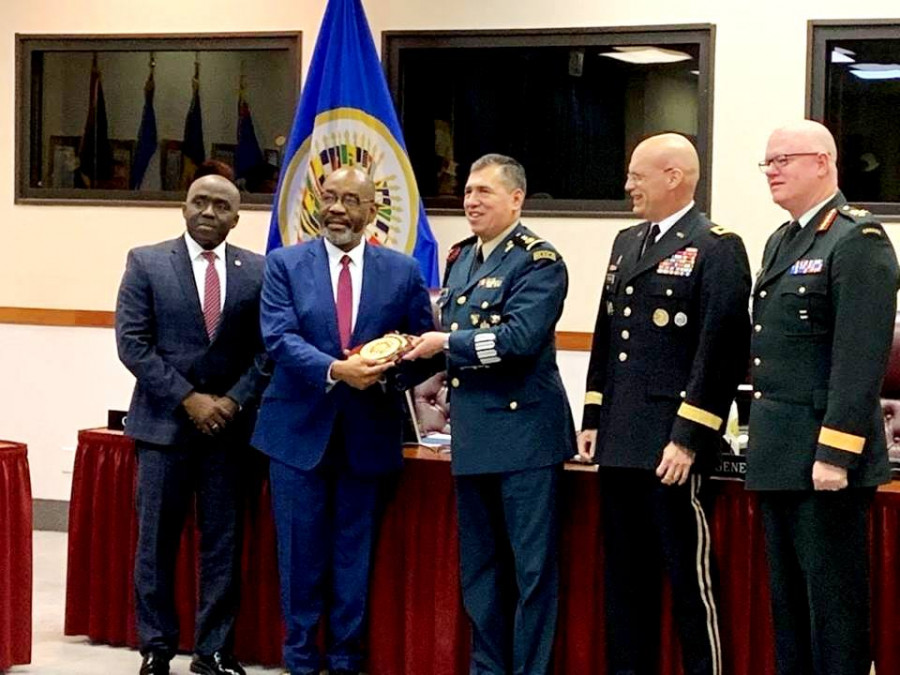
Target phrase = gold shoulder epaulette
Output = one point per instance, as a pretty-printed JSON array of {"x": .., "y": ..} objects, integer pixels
[{"x": 854, "y": 213}]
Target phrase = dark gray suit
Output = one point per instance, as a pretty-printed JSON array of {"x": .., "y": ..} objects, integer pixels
[{"x": 162, "y": 340}]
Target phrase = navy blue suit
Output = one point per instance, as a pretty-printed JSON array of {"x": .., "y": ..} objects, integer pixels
[
  {"x": 511, "y": 430},
  {"x": 330, "y": 446},
  {"x": 162, "y": 340}
]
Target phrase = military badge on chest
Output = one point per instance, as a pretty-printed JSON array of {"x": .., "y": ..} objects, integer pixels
[{"x": 679, "y": 264}]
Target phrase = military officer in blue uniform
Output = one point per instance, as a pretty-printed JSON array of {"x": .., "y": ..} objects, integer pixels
[
  {"x": 670, "y": 347},
  {"x": 823, "y": 317},
  {"x": 511, "y": 424}
]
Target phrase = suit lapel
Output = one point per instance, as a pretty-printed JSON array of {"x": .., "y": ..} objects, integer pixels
[
  {"x": 234, "y": 281},
  {"x": 373, "y": 270},
  {"x": 184, "y": 272},
  {"x": 677, "y": 237}
]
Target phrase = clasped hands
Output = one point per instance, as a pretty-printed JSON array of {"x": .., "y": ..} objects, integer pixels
[{"x": 210, "y": 413}]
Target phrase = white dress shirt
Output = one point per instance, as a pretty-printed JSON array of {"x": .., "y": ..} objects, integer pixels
[
  {"x": 356, "y": 273},
  {"x": 666, "y": 223},
  {"x": 199, "y": 265}
]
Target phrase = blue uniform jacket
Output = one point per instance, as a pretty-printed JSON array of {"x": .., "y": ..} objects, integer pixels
[{"x": 508, "y": 410}]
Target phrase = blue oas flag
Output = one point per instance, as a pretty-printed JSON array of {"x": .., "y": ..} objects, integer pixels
[{"x": 346, "y": 117}]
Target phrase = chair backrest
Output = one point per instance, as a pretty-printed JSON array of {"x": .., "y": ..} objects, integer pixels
[{"x": 891, "y": 386}]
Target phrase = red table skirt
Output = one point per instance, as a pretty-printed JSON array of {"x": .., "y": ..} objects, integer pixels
[
  {"x": 15, "y": 555},
  {"x": 417, "y": 624}
]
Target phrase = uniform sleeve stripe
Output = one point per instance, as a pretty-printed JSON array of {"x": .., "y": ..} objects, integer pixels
[
  {"x": 700, "y": 416},
  {"x": 842, "y": 441},
  {"x": 593, "y": 398}
]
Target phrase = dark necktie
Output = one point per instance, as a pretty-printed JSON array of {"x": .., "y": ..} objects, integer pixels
[
  {"x": 212, "y": 295},
  {"x": 345, "y": 302},
  {"x": 477, "y": 262},
  {"x": 650, "y": 239},
  {"x": 784, "y": 245}
]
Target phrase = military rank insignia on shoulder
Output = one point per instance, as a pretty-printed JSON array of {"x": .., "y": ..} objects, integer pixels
[
  {"x": 544, "y": 254},
  {"x": 720, "y": 230},
  {"x": 527, "y": 241},
  {"x": 539, "y": 248},
  {"x": 854, "y": 213}
]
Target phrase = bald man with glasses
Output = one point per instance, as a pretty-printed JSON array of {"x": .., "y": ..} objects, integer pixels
[{"x": 823, "y": 317}]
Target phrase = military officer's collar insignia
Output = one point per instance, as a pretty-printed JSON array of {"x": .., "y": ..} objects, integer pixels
[
  {"x": 679, "y": 264},
  {"x": 490, "y": 282},
  {"x": 829, "y": 219},
  {"x": 509, "y": 246},
  {"x": 453, "y": 254},
  {"x": 807, "y": 266}
]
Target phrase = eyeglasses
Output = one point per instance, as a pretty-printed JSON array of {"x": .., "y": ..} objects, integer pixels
[
  {"x": 781, "y": 161},
  {"x": 350, "y": 201}
]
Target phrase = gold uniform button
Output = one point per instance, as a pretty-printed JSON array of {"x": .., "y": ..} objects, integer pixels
[
  {"x": 757, "y": 395},
  {"x": 627, "y": 311},
  {"x": 757, "y": 361},
  {"x": 625, "y": 335},
  {"x": 485, "y": 305},
  {"x": 801, "y": 290},
  {"x": 682, "y": 394},
  {"x": 757, "y": 328},
  {"x": 454, "y": 382},
  {"x": 763, "y": 294},
  {"x": 629, "y": 290},
  {"x": 454, "y": 326},
  {"x": 513, "y": 405},
  {"x": 461, "y": 300},
  {"x": 669, "y": 291},
  {"x": 623, "y": 356}
]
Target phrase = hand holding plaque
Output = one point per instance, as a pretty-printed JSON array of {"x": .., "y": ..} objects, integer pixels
[{"x": 388, "y": 348}]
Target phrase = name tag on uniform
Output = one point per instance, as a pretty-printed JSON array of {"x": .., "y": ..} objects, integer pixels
[
  {"x": 810, "y": 266},
  {"x": 679, "y": 264}
]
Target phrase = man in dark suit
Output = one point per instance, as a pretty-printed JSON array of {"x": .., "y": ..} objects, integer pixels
[
  {"x": 511, "y": 425},
  {"x": 187, "y": 327},
  {"x": 823, "y": 315},
  {"x": 670, "y": 347},
  {"x": 332, "y": 430}
]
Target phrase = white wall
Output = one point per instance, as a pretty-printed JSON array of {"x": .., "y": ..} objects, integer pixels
[{"x": 55, "y": 381}]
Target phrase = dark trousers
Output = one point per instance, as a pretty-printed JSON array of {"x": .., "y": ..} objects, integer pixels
[
  {"x": 817, "y": 547},
  {"x": 168, "y": 477},
  {"x": 509, "y": 572},
  {"x": 649, "y": 527},
  {"x": 325, "y": 521}
]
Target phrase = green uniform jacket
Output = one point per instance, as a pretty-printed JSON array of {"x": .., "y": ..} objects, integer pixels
[{"x": 823, "y": 315}]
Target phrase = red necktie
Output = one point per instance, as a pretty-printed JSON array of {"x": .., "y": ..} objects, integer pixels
[
  {"x": 345, "y": 302},
  {"x": 212, "y": 295}
]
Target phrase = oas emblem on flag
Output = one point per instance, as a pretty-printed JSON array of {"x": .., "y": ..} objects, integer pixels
[{"x": 350, "y": 137}]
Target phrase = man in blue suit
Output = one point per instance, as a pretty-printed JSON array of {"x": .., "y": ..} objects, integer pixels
[
  {"x": 511, "y": 425},
  {"x": 187, "y": 328},
  {"x": 332, "y": 430}
]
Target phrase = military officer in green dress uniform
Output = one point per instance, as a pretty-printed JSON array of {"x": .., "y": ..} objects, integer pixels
[
  {"x": 511, "y": 425},
  {"x": 823, "y": 317},
  {"x": 670, "y": 346}
]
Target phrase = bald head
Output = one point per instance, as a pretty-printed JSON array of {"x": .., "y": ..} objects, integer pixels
[
  {"x": 662, "y": 176},
  {"x": 211, "y": 210},
  {"x": 347, "y": 206},
  {"x": 801, "y": 166}
]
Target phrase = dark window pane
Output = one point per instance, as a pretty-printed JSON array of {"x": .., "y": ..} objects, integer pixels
[
  {"x": 862, "y": 98},
  {"x": 571, "y": 113},
  {"x": 89, "y": 131}
]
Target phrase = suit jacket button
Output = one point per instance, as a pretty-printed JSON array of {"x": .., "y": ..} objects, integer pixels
[
  {"x": 454, "y": 326},
  {"x": 513, "y": 405},
  {"x": 461, "y": 300},
  {"x": 757, "y": 328},
  {"x": 623, "y": 356},
  {"x": 625, "y": 335},
  {"x": 454, "y": 382},
  {"x": 763, "y": 294},
  {"x": 757, "y": 395},
  {"x": 627, "y": 311},
  {"x": 485, "y": 304},
  {"x": 629, "y": 290},
  {"x": 757, "y": 361}
]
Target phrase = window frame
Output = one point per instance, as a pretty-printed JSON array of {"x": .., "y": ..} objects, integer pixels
[
  {"x": 28, "y": 89},
  {"x": 703, "y": 34},
  {"x": 819, "y": 33}
]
